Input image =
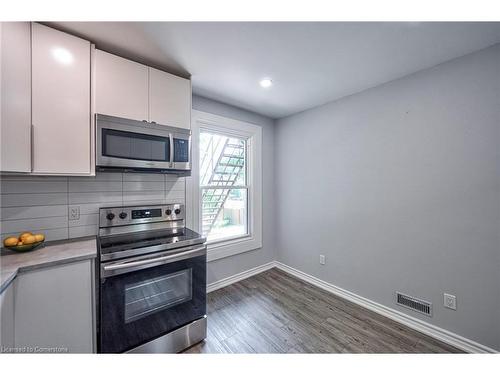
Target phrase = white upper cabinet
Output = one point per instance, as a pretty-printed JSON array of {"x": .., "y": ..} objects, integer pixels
[
  {"x": 15, "y": 85},
  {"x": 121, "y": 87},
  {"x": 61, "y": 102},
  {"x": 131, "y": 90},
  {"x": 169, "y": 99}
]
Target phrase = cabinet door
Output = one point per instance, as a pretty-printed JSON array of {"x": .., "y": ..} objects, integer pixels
[
  {"x": 53, "y": 308},
  {"x": 7, "y": 317},
  {"x": 15, "y": 84},
  {"x": 121, "y": 87},
  {"x": 60, "y": 102},
  {"x": 169, "y": 99}
]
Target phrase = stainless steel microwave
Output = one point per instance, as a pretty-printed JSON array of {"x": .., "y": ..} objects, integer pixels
[{"x": 130, "y": 145}]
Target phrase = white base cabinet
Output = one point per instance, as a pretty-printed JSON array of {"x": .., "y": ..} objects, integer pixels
[
  {"x": 7, "y": 318},
  {"x": 54, "y": 309}
]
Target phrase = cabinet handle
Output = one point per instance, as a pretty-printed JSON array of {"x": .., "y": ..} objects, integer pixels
[
  {"x": 171, "y": 139},
  {"x": 32, "y": 146}
]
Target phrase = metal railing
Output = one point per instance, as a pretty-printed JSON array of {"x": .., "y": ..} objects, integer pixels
[{"x": 223, "y": 176}]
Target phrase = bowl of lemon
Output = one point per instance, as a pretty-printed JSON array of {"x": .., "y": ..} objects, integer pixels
[{"x": 25, "y": 242}]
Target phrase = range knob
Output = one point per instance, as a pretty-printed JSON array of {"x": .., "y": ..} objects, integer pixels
[
  {"x": 168, "y": 212},
  {"x": 177, "y": 211},
  {"x": 110, "y": 216},
  {"x": 123, "y": 215}
]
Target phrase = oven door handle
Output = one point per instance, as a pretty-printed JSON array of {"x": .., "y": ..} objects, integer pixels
[{"x": 134, "y": 265}]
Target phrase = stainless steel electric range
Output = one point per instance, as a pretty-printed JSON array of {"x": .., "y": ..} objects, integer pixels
[{"x": 152, "y": 280}]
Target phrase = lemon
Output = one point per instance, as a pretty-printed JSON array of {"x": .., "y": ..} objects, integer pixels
[
  {"x": 24, "y": 235},
  {"x": 10, "y": 241},
  {"x": 39, "y": 237},
  {"x": 28, "y": 240}
]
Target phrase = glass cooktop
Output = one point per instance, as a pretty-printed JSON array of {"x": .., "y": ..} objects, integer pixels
[{"x": 145, "y": 239}]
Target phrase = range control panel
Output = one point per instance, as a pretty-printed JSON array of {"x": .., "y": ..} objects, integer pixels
[
  {"x": 146, "y": 213},
  {"x": 118, "y": 216}
]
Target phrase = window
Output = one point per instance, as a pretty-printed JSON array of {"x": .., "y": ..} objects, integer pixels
[
  {"x": 224, "y": 191},
  {"x": 226, "y": 184}
]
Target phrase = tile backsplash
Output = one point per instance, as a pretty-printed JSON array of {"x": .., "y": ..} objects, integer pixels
[{"x": 42, "y": 204}]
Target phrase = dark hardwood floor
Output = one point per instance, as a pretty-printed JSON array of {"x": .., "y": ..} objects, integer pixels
[{"x": 274, "y": 312}]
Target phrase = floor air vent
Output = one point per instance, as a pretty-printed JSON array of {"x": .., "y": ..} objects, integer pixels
[{"x": 414, "y": 304}]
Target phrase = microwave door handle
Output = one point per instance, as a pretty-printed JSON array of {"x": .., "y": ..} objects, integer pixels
[{"x": 146, "y": 263}]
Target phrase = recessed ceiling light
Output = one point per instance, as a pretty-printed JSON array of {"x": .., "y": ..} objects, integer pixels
[{"x": 266, "y": 82}]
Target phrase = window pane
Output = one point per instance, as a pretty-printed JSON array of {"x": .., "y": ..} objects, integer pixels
[
  {"x": 224, "y": 213},
  {"x": 223, "y": 166},
  {"x": 222, "y": 160}
]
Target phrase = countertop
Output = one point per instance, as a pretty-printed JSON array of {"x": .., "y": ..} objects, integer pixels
[{"x": 53, "y": 253}]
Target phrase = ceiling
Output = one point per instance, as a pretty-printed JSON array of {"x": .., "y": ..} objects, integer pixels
[{"x": 309, "y": 63}]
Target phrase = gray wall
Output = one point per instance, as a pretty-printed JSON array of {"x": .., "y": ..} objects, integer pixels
[
  {"x": 399, "y": 186},
  {"x": 229, "y": 266}
]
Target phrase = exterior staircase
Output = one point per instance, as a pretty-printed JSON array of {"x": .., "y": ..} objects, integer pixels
[{"x": 224, "y": 173}]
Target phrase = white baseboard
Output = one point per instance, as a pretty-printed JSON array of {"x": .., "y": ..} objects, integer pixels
[
  {"x": 239, "y": 276},
  {"x": 441, "y": 334},
  {"x": 417, "y": 324}
]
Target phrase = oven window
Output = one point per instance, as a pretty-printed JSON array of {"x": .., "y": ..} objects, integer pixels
[
  {"x": 149, "y": 296},
  {"x": 129, "y": 145},
  {"x": 181, "y": 150}
]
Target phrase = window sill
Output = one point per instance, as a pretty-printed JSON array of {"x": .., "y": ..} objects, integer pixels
[{"x": 223, "y": 249}]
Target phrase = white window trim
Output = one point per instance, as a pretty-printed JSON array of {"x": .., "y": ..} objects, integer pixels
[{"x": 253, "y": 134}]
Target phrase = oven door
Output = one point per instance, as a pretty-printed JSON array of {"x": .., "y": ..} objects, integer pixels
[{"x": 143, "y": 298}]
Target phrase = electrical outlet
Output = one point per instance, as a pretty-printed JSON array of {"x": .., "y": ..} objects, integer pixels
[
  {"x": 322, "y": 259},
  {"x": 450, "y": 301},
  {"x": 74, "y": 212}
]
